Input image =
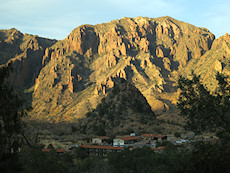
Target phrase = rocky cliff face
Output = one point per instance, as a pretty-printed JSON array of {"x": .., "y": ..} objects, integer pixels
[
  {"x": 77, "y": 72},
  {"x": 147, "y": 52},
  {"x": 25, "y": 51},
  {"x": 217, "y": 59}
]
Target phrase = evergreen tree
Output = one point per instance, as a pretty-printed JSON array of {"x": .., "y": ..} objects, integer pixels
[
  {"x": 203, "y": 110},
  {"x": 10, "y": 126}
]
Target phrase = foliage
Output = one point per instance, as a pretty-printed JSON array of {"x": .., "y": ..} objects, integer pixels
[
  {"x": 80, "y": 153},
  {"x": 10, "y": 114},
  {"x": 89, "y": 114},
  {"x": 92, "y": 164},
  {"x": 143, "y": 119},
  {"x": 100, "y": 130},
  {"x": 206, "y": 158},
  {"x": 203, "y": 110},
  {"x": 34, "y": 160},
  {"x": 74, "y": 129},
  {"x": 206, "y": 111},
  {"x": 145, "y": 160},
  {"x": 177, "y": 134}
]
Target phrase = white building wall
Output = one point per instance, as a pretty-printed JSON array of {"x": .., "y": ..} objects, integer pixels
[
  {"x": 96, "y": 141},
  {"x": 118, "y": 142}
]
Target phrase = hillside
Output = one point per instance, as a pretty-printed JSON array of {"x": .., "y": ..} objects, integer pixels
[
  {"x": 122, "y": 110},
  {"x": 68, "y": 78}
]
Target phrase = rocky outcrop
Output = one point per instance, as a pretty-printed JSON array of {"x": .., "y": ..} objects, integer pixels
[
  {"x": 144, "y": 45},
  {"x": 83, "y": 40},
  {"x": 218, "y": 66},
  {"x": 159, "y": 52},
  {"x": 111, "y": 61}
]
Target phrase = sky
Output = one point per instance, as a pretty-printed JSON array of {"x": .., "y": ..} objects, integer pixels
[{"x": 57, "y": 18}]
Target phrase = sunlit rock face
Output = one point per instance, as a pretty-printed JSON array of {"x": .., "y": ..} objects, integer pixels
[{"x": 68, "y": 78}]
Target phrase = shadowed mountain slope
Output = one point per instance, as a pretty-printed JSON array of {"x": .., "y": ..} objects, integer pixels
[{"x": 122, "y": 109}]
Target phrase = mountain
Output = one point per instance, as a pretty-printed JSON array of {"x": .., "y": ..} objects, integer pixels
[{"x": 68, "y": 78}]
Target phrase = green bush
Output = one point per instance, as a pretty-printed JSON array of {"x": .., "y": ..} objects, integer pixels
[{"x": 177, "y": 134}]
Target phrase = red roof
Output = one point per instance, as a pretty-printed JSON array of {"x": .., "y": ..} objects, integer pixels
[
  {"x": 152, "y": 135},
  {"x": 129, "y": 138},
  {"x": 101, "y": 147},
  {"x": 60, "y": 150},
  {"x": 45, "y": 150}
]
